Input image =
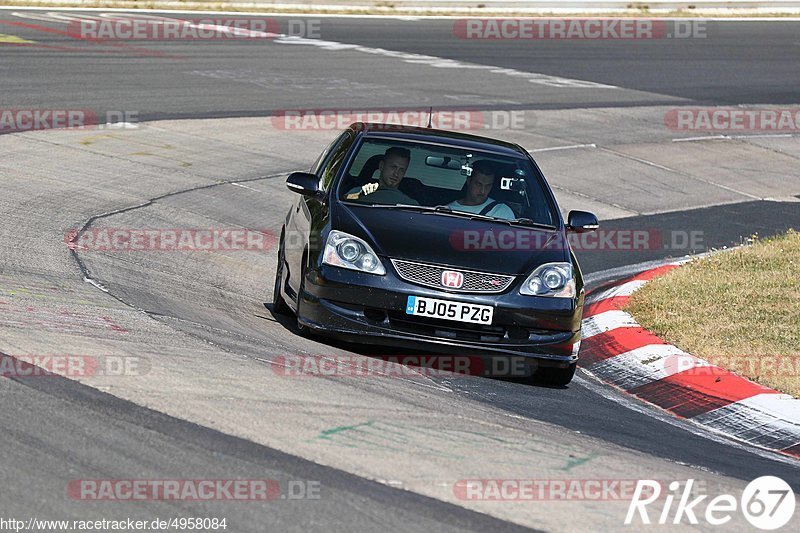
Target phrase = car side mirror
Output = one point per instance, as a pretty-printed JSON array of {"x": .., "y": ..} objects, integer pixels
[
  {"x": 304, "y": 183},
  {"x": 581, "y": 222}
]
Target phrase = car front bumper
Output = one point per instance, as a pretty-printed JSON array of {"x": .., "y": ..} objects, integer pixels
[{"x": 364, "y": 308}]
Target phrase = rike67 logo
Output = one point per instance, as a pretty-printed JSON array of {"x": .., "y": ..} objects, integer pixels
[{"x": 767, "y": 503}]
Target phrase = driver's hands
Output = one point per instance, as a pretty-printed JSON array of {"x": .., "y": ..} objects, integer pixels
[{"x": 369, "y": 188}]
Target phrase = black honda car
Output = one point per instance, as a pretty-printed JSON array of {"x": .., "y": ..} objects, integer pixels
[{"x": 433, "y": 240}]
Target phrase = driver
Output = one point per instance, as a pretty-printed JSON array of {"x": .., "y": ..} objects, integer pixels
[
  {"x": 477, "y": 199},
  {"x": 392, "y": 169}
]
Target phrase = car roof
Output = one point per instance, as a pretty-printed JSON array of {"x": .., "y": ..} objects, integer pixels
[{"x": 431, "y": 135}]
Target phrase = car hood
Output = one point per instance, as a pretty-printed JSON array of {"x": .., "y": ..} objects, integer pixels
[{"x": 455, "y": 241}]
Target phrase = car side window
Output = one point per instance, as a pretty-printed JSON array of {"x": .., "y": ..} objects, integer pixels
[
  {"x": 316, "y": 167},
  {"x": 333, "y": 163}
]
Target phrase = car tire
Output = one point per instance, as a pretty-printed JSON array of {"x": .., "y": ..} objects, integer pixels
[
  {"x": 558, "y": 377},
  {"x": 279, "y": 305}
]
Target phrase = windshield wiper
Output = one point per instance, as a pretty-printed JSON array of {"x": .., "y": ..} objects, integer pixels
[
  {"x": 465, "y": 214},
  {"x": 474, "y": 216},
  {"x": 531, "y": 223},
  {"x": 436, "y": 209},
  {"x": 405, "y": 206}
]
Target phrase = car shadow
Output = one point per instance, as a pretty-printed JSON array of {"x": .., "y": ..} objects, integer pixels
[{"x": 434, "y": 365}]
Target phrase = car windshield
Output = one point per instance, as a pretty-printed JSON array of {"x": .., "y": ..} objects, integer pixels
[{"x": 457, "y": 180}]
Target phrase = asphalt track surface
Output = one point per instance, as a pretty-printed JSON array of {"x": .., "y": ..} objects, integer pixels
[
  {"x": 735, "y": 63},
  {"x": 55, "y": 429}
]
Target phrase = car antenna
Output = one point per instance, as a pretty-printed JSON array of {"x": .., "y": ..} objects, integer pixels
[{"x": 430, "y": 116}]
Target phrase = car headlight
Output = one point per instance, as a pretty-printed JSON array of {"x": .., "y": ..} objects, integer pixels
[
  {"x": 551, "y": 279},
  {"x": 347, "y": 251}
]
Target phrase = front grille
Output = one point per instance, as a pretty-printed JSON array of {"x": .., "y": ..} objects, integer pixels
[
  {"x": 464, "y": 331},
  {"x": 431, "y": 276},
  {"x": 446, "y": 330}
]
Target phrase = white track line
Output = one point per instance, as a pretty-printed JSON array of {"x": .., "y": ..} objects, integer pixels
[
  {"x": 718, "y": 137},
  {"x": 431, "y": 61},
  {"x": 441, "y": 62},
  {"x": 568, "y": 147}
]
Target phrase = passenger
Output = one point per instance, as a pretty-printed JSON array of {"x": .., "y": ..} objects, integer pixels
[
  {"x": 477, "y": 200},
  {"x": 392, "y": 170}
]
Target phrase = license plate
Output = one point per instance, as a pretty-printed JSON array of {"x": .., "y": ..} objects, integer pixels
[{"x": 447, "y": 310}]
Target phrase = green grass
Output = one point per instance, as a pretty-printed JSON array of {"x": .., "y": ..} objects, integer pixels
[{"x": 738, "y": 309}]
